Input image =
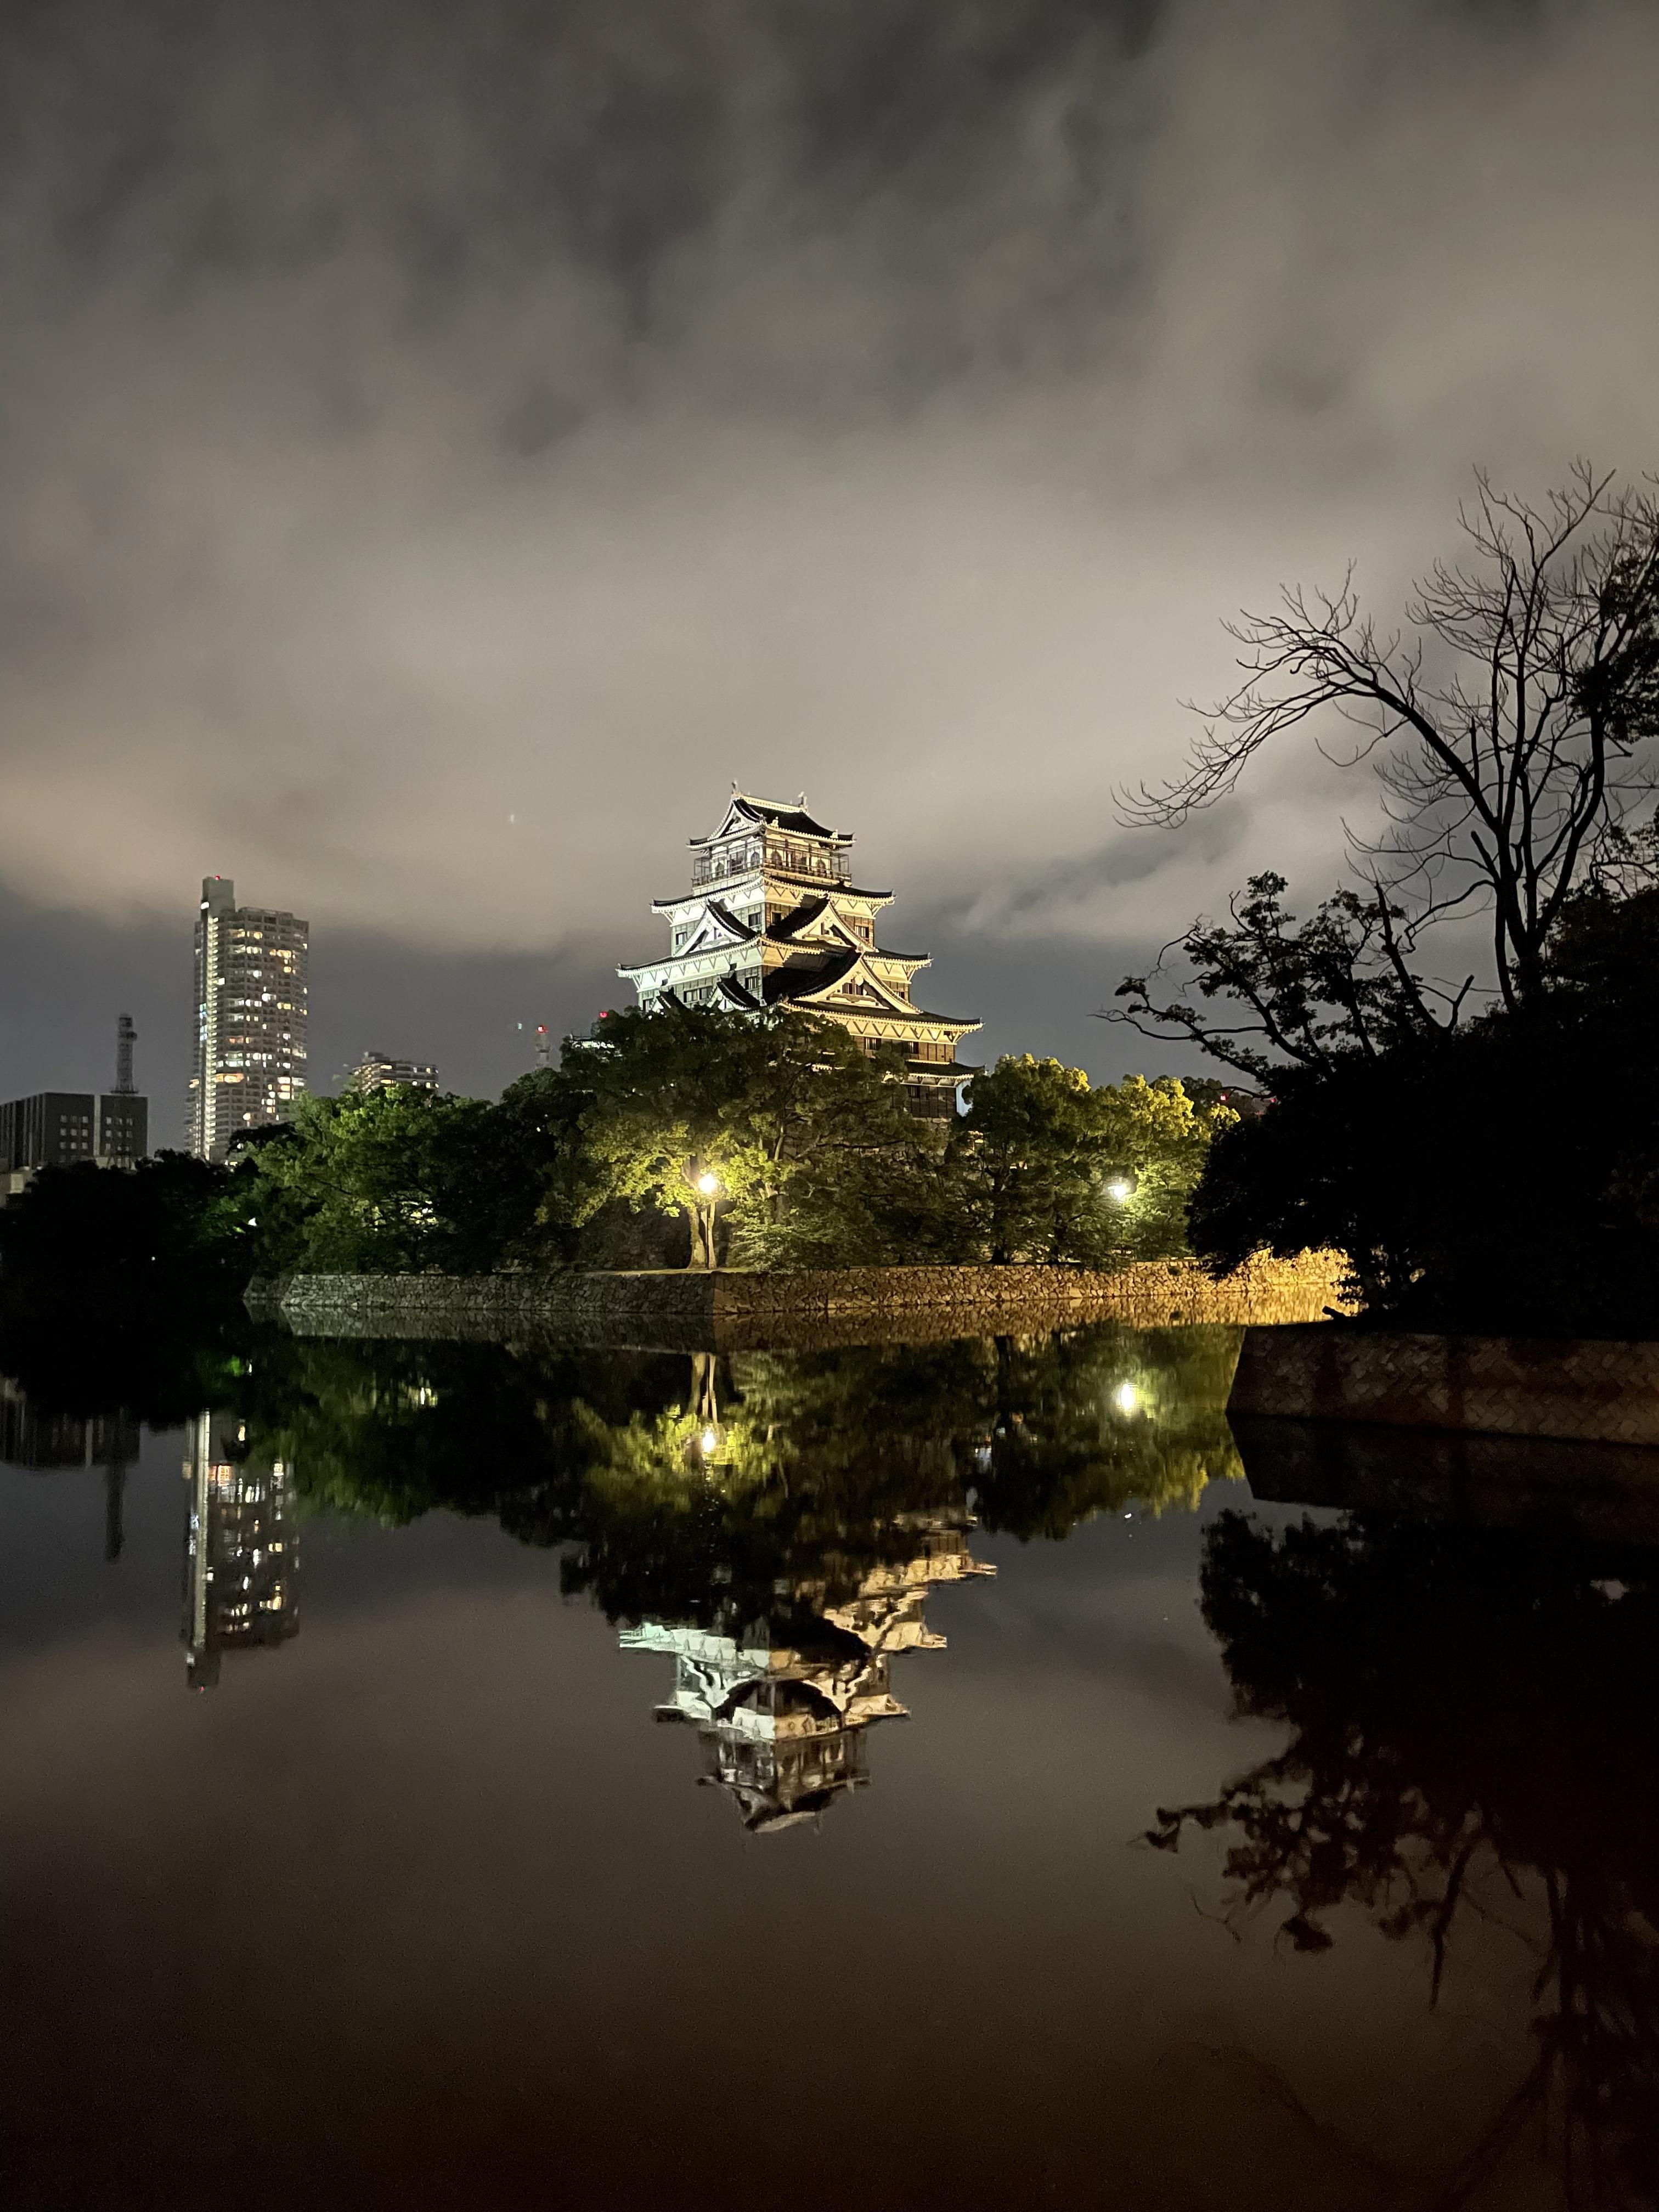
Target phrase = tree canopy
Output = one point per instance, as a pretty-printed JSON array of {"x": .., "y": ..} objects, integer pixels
[{"x": 689, "y": 1137}]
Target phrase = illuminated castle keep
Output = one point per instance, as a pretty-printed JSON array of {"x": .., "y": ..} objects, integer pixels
[
  {"x": 782, "y": 1712},
  {"x": 773, "y": 918}
]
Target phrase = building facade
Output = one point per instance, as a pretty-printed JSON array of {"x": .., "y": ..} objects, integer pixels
[
  {"x": 59, "y": 1129},
  {"x": 774, "y": 918},
  {"x": 378, "y": 1071},
  {"x": 250, "y": 1014}
]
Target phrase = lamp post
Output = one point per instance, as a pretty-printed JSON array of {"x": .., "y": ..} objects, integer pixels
[{"x": 705, "y": 1192}]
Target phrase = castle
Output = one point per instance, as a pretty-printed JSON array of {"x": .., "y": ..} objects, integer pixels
[
  {"x": 782, "y": 1707},
  {"x": 773, "y": 918}
]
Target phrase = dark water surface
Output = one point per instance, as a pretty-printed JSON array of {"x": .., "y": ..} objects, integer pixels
[{"x": 1285, "y": 1839}]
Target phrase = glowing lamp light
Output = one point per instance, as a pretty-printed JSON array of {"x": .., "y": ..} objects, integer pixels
[
  {"x": 710, "y": 1441},
  {"x": 708, "y": 1184},
  {"x": 1125, "y": 1397},
  {"x": 1120, "y": 1190}
]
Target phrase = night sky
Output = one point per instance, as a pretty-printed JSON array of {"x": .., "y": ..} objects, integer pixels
[{"x": 445, "y": 445}]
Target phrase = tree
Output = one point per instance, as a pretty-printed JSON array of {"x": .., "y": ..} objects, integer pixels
[
  {"x": 1032, "y": 1139},
  {"x": 1054, "y": 1170},
  {"x": 373, "y": 1182},
  {"x": 1156, "y": 1138},
  {"x": 1310, "y": 993},
  {"x": 1502, "y": 1177},
  {"x": 776, "y": 1130},
  {"x": 171, "y": 1226},
  {"x": 1508, "y": 727},
  {"x": 666, "y": 1120}
]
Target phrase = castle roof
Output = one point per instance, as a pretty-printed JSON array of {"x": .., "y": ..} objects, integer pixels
[
  {"x": 698, "y": 895},
  {"x": 804, "y": 983},
  {"x": 745, "y": 810}
]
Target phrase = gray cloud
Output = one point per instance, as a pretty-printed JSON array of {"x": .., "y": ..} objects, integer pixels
[{"x": 445, "y": 444}]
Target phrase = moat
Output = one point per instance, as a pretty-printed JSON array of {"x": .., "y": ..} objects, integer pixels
[{"x": 451, "y": 1773}]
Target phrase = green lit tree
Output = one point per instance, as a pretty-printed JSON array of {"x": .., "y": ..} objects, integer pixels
[
  {"x": 1054, "y": 1170},
  {"x": 373, "y": 1182}
]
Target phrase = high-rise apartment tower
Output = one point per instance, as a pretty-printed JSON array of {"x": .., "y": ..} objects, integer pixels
[{"x": 250, "y": 1018}]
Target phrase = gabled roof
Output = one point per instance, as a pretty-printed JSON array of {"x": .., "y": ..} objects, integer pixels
[
  {"x": 787, "y": 983},
  {"x": 728, "y": 921},
  {"x": 745, "y": 810},
  {"x": 698, "y": 895},
  {"x": 811, "y": 985},
  {"x": 791, "y": 924},
  {"x": 840, "y": 969},
  {"x": 786, "y": 930}
]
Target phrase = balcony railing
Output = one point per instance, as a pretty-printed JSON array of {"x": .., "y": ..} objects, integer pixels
[{"x": 787, "y": 860}]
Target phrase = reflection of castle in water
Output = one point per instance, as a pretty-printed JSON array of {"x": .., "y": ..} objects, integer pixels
[
  {"x": 240, "y": 1553},
  {"x": 782, "y": 1707}
]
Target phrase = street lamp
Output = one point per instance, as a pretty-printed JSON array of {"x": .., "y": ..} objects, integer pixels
[
  {"x": 708, "y": 1183},
  {"x": 1120, "y": 1188}
]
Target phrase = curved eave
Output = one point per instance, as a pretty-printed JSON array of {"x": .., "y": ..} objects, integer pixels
[
  {"x": 820, "y": 1002},
  {"x": 792, "y": 817}
]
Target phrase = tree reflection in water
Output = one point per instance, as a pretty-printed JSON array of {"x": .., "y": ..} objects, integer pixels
[
  {"x": 676, "y": 1479},
  {"x": 770, "y": 1521},
  {"x": 1473, "y": 1736}
]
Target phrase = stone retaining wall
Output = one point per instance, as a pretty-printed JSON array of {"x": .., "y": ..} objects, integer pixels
[
  {"x": 1578, "y": 1388},
  {"x": 830, "y": 1303}
]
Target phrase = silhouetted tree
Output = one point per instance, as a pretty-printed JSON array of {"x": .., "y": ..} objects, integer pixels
[
  {"x": 100, "y": 1239},
  {"x": 1507, "y": 725}
]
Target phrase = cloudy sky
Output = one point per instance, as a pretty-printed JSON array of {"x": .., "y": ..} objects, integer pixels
[{"x": 446, "y": 442}]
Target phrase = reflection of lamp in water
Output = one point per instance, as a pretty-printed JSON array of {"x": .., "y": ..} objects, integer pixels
[
  {"x": 1126, "y": 1398},
  {"x": 709, "y": 1441}
]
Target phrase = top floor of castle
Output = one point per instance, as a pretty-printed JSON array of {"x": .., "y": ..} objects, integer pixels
[{"x": 770, "y": 837}]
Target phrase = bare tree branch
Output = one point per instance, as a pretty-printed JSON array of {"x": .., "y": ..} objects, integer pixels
[{"x": 1510, "y": 726}]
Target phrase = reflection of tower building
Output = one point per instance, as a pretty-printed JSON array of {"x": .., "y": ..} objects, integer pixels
[
  {"x": 782, "y": 1708},
  {"x": 239, "y": 1554}
]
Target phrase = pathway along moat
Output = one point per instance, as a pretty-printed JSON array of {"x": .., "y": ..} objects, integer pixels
[{"x": 1052, "y": 1811}]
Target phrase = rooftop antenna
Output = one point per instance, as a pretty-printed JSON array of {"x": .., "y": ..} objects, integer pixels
[{"x": 125, "y": 1037}]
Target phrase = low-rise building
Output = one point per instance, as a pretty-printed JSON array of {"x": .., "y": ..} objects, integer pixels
[
  {"x": 61, "y": 1129},
  {"x": 379, "y": 1071}
]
